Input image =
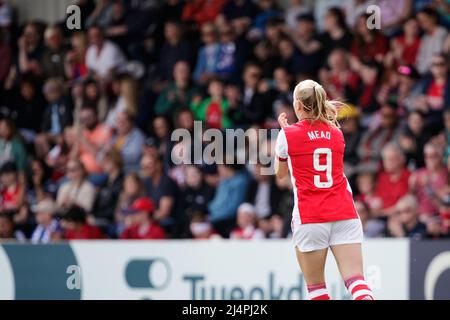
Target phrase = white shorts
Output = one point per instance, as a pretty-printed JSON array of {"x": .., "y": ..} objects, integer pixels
[{"x": 317, "y": 236}]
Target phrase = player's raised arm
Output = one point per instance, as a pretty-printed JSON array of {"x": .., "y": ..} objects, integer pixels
[{"x": 281, "y": 155}]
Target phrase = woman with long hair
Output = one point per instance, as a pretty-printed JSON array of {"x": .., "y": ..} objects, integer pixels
[{"x": 324, "y": 214}]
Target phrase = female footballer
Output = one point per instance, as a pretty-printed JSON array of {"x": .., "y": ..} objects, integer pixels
[{"x": 324, "y": 214}]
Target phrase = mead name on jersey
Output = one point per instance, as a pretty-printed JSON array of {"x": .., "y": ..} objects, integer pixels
[{"x": 319, "y": 134}]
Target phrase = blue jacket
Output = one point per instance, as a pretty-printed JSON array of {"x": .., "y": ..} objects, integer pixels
[{"x": 229, "y": 195}]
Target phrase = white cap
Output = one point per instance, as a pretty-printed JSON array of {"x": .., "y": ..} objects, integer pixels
[
  {"x": 45, "y": 205},
  {"x": 247, "y": 208}
]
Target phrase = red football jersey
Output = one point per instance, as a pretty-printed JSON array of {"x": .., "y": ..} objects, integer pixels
[{"x": 314, "y": 151}]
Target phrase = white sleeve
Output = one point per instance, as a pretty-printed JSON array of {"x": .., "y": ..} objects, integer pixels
[{"x": 281, "y": 146}]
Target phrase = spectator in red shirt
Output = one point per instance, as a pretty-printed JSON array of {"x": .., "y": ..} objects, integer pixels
[
  {"x": 11, "y": 190},
  {"x": 74, "y": 222},
  {"x": 201, "y": 11},
  {"x": 392, "y": 182},
  {"x": 139, "y": 222},
  {"x": 404, "y": 48}
]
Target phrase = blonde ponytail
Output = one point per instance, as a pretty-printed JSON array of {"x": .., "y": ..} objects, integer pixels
[{"x": 314, "y": 99}]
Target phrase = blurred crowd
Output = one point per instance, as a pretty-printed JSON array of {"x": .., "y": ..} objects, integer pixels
[{"x": 86, "y": 115}]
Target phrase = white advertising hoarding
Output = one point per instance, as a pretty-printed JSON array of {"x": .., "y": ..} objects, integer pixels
[{"x": 224, "y": 270}]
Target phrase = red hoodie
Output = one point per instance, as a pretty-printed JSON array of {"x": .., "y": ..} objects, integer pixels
[
  {"x": 86, "y": 232},
  {"x": 146, "y": 231}
]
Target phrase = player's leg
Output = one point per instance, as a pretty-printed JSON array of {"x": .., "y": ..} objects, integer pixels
[
  {"x": 346, "y": 238},
  {"x": 311, "y": 246},
  {"x": 313, "y": 268}
]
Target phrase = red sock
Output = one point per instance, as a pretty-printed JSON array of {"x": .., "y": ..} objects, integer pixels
[
  {"x": 318, "y": 292},
  {"x": 359, "y": 288}
]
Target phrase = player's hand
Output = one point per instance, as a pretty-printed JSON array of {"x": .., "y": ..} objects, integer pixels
[{"x": 282, "y": 120}]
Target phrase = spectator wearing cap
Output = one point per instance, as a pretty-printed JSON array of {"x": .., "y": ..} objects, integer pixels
[
  {"x": 392, "y": 182},
  {"x": 76, "y": 227},
  {"x": 129, "y": 141},
  {"x": 109, "y": 192},
  {"x": 139, "y": 222},
  {"x": 11, "y": 146},
  {"x": 404, "y": 222},
  {"x": 12, "y": 191},
  {"x": 426, "y": 183},
  {"x": 57, "y": 116},
  {"x": 103, "y": 57},
  {"x": 47, "y": 229},
  {"x": 246, "y": 224},
  {"x": 178, "y": 93},
  {"x": 77, "y": 189},
  {"x": 432, "y": 41}
]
